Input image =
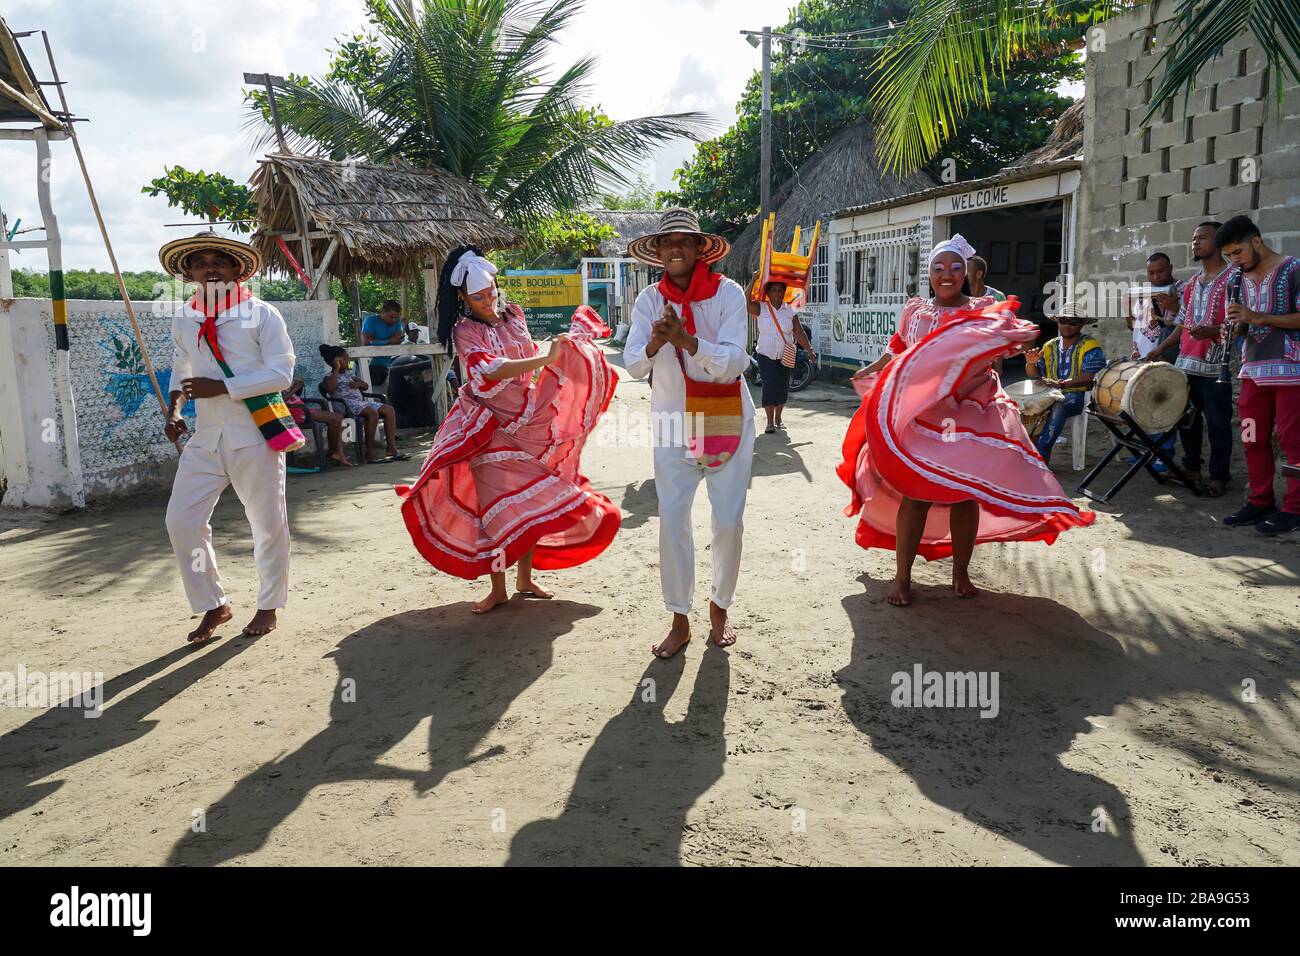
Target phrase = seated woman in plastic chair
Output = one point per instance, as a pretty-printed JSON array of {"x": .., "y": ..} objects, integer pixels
[
  {"x": 342, "y": 385},
  {"x": 304, "y": 417},
  {"x": 1069, "y": 362}
]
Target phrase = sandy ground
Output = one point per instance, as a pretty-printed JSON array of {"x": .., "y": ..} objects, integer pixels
[{"x": 545, "y": 733}]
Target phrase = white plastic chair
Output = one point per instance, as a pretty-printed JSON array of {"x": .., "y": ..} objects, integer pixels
[
  {"x": 1077, "y": 431},
  {"x": 1079, "y": 438}
]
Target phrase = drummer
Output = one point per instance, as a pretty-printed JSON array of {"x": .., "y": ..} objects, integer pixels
[{"x": 1069, "y": 362}]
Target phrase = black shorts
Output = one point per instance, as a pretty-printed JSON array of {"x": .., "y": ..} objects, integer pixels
[{"x": 776, "y": 380}]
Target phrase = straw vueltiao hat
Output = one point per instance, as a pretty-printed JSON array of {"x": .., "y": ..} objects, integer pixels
[
  {"x": 1070, "y": 310},
  {"x": 173, "y": 254},
  {"x": 678, "y": 220}
]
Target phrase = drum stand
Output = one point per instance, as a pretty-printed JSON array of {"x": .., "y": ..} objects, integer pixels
[{"x": 1129, "y": 434}]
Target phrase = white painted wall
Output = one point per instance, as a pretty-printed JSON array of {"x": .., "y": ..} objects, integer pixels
[{"x": 118, "y": 419}]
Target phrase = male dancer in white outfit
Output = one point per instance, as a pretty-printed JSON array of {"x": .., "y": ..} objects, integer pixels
[
  {"x": 715, "y": 352},
  {"x": 227, "y": 447}
]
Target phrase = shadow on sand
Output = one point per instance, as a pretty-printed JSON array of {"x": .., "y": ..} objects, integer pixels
[
  {"x": 461, "y": 670},
  {"x": 1003, "y": 773},
  {"x": 62, "y": 737},
  {"x": 641, "y": 777}
]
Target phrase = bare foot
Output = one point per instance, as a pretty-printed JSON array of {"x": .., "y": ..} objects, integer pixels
[
  {"x": 679, "y": 636},
  {"x": 491, "y": 601},
  {"x": 533, "y": 590},
  {"x": 721, "y": 633},
  {"x": 900, "y": 594},
  {"x": 341, "y": 458},
  {"x": 961, "y": 583},
  {"x": 208, "y": 626},
  {"x": 263, "y": 622}
]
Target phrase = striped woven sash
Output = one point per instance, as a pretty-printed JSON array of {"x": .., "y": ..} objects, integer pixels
[
  {"x": 270, "y": 413},
  {"x": 714, "y": 418}
]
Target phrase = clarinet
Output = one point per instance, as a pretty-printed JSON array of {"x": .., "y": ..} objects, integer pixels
[{"x": 1222, "y": 349}]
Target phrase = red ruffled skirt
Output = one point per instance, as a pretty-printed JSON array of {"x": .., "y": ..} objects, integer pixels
[
  {"x": 912, "y": 437},
  {"x": 503, "y": 474}
]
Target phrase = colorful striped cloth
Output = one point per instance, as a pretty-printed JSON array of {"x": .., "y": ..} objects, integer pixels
[
  {"x": 270, "y": 413},
  {"x": 715, "y": 418}
]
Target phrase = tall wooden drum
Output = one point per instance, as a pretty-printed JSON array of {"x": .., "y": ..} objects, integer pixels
[{"x": 1153, "y": 394}]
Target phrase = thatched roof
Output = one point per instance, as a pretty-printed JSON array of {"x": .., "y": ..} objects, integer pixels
[
  {"x": 389, "y": 220},
  {"x": 1064, "y": 142},
  {"x": 21, "y": 97},
  {"x": 843, "y": 173},
  {"x": 628, "y": 223}
]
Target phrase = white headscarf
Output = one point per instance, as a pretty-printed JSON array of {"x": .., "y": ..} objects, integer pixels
[
  {"x": 473, "y": 272},
  {"x": 957, "y": 244}
]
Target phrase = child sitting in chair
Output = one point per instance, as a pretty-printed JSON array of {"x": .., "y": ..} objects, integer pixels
[
  {"x": 342, "y": 385},
  {"x": 304, "y": 415}
]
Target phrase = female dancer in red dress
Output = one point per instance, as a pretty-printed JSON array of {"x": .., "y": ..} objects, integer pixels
[
  {"x": 936, "y": 456},
  {"x": 502, "y": 485}
]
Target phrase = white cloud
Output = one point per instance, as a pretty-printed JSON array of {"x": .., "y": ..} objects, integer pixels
[{"x": 160, "y": 83}]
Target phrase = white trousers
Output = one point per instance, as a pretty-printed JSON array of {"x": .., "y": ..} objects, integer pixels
[
  {"x": 257, "y": 472},
  {"x": 677, "y": 476}
]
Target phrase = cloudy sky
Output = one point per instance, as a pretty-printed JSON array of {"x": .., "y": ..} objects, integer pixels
[{"x": 160, "y": 81}]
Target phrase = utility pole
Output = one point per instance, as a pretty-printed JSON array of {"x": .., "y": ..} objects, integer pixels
[
  {"x": 763, "y": 38},
  {"x": 268, "y": 81},
  {"x": 765, "y": 149}
]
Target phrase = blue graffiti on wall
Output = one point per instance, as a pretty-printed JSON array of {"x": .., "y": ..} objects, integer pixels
[{"x": 128, "y": 380}]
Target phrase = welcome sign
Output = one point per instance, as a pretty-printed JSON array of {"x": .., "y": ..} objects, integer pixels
[{"x": 548, "y": 297}]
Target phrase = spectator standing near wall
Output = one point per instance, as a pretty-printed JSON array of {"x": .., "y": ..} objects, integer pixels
[{"x": 386, "y": 328}]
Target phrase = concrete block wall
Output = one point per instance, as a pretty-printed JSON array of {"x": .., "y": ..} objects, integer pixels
[{"x": 1227, "y": 150}]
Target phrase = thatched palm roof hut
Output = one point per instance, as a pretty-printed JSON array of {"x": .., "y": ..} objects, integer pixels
[
  {"x": 845, "y": 172},
  {"x": 383, "y": 220},
  {"x": 1064, "y": 142},
  {"x": 628, "y": 223},
  {"x": 21, "y": 96}
]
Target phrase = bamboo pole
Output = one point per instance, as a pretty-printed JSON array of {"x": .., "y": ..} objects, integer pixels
[{"x": 103, "y": 231}]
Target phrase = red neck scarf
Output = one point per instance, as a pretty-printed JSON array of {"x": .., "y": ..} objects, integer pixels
[
  {"x": 210, "y": 310},
  {"x": 704, "y": 285}
]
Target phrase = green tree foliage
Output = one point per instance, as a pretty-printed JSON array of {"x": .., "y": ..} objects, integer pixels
[
  {"x": 641, "y": 195},
  {"x": 460, "y": 85},
  {"x": 146, "y": 287},
  {"x": 210, "y": 196},
  {"x": 951, "y": 54},
  {"x": 557, "y": 242},
  {"x": 820, "y": 86}
]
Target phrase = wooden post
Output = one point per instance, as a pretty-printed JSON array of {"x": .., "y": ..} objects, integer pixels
[
  {"x": 441, "y": 362},
  {"x": 6, "y": 275},
  {"x": 62, "y": 363}
]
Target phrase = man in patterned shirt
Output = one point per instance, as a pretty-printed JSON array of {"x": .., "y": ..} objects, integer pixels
[
  {"x": 1069, "y": 362},
  {"x": 1268, "y": 307}
]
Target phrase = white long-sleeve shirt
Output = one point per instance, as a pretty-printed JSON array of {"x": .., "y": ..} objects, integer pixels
[
  {"x": 255, "y": 344},
  {"x": 721, "y": 323},
  {"x": 770, "y": 341}
]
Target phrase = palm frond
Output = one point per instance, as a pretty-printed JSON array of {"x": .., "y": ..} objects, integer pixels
[
  {"x": 594, "y": 161},
  {"x": 939, "y": 65},
  {"x": 1203, "y": 27},
  {"x": 465, "y": 88}
]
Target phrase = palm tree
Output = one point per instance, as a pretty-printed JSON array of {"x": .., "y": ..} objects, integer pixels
[
  {"x": 458, "y": 85},
  {"x": 939, "y": 63}
]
